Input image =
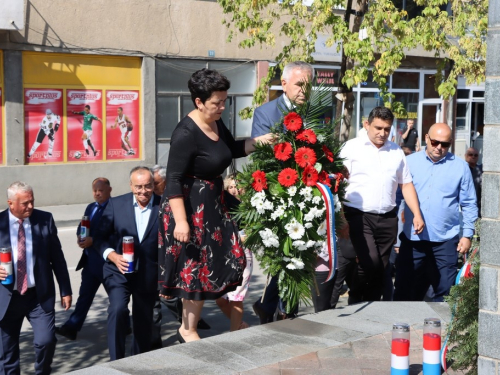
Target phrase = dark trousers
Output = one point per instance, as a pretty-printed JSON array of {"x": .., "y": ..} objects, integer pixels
[
  {"x": 119, "y": 290},
  {"x": 322, "y": 296},
  {"x": 421, "y": 264},
  {"x": 156, "y": 341},
  {"x": 345, "y": 272},
  {"x": 272, "y": 300},
  {"x": 88, "y": 288},
  {"x": 372, "y": 236},
  {"x": 44, "y": 340}
]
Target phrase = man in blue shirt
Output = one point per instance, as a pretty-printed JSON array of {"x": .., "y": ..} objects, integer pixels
[{"x": 444, "y": 185}]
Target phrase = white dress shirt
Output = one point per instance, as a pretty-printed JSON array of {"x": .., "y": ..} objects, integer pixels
[
  {"x": 141, "y": 221},
  {"x": 374, "y": 174},
  {"x": 14, "y": 231}
]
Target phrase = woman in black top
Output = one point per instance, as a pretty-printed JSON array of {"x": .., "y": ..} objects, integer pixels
[{"x": 201, "y": 255}]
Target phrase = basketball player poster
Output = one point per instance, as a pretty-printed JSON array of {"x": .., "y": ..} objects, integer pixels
[
  {"x": 85, "y": 128},
  {"x": 43, "y": 133},
  {"x": 122, "y": 124}
]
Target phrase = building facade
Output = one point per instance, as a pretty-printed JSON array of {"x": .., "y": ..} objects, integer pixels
[{"x": 134, "y": 58}]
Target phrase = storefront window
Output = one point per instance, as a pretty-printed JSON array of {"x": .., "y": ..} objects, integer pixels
[
  {"x": 369, "y": 82},
  {"x": 410, "y": 103},
  {"x": 405, "y": 80},
  {"x": 368, "y": 101},
  {"x": 463, "y": 94},
  {"x": 430, "y": 87}
]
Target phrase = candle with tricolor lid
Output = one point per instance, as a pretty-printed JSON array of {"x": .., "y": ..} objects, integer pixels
[
  {"x": 128, "y": 252},
  {"x": 400, "y": 349},
  {"x": 432, "y": 347},
  {"x": 6, "y": 263}
]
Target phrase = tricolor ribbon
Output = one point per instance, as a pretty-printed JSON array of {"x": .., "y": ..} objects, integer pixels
[
  {"x": 465, "y": 272},
  {"x": 331, "y": 240}
]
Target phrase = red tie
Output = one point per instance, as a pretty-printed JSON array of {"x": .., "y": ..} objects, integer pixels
[{"x": 22, "y": 277}]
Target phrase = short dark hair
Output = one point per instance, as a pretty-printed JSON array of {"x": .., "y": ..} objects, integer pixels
[
  {"x": 203, "y": 83},
  {"x": 382, "y": 113},
  {"x": 87, "y": 106}
]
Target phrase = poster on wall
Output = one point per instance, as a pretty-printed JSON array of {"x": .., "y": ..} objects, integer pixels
[
  {"x": 122, "y": 124},
  {"x": 1, "y": 128},
  {"x": 43, "y": 125},
  {"x": 84, "y": 111}
]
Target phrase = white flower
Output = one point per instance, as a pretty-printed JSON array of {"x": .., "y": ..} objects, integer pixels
[
  {"x": 320, "y": 138},
  {"x": 259, "y": 206},
  {"x": 310, "y": 243},
  {"x": 336, "y": 201},
  {"x": 308, "y": 225},
  {"x": 290, "y": 202},
  {"x": 292, "y": 190},
  {"x": 318, "y": 167},
  {"x": 295, "y": 229},
  {"x": 268, "y": 205},
  {"x": 298, "y": 263},
  {"x": 311, "y": 214},
  {"x": 300, "y": 245},
  {"x": 322, "y": 229},
  {"x": 278, "y": 212},
  {"x": 269, "y": 239},
  {"x": 291, "y": 266},
  {"x": 319, "y": 213},
  {"x": 306, "y": 193},
  {"x": 286, "y": 259},
  {"x": 301, "y": 205},
  {"x": 317, "y": 200}
]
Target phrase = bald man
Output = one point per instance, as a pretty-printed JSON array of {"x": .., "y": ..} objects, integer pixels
[
  {"x": 444, "y": 184},
  {"x": 471, "y": 157}
]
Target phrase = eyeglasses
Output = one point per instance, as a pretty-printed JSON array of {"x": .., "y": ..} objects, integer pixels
[
  {"x": 143, "y": 187},
  {"x": 435, "y": 143},
  {"x": 473, "y": 155}
]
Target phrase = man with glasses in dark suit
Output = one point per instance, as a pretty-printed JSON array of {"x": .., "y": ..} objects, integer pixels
[{"x": 444, "y": 185}]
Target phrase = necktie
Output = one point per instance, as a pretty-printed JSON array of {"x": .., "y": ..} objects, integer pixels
[
  {"x": 96, "y": 211},
  {"x": 22, "y": 276}
]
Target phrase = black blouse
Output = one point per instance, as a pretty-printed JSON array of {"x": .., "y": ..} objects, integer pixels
[{"x": 193, "y": 153}]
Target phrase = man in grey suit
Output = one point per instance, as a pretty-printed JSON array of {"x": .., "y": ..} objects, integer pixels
[
  {"x": 267, "y": 115},
  {"x": 294, "y": 75}
]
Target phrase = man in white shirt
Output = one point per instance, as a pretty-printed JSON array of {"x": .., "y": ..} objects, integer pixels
[
  {"x": 375, "y": 168},
  {"x": 36, "y": 257}
]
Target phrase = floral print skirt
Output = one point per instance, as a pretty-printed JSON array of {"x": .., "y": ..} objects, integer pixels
[{"x": 211, "y": 264}]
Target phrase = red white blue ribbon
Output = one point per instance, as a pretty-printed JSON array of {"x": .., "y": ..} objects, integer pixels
[{"x": 331, "y": 240}]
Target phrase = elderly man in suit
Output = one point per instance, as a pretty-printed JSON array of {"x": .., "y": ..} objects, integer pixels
[
  {"x": 294, "y": 75},
  {"x": 91, "y": 261},
  {"x": 36, "y": 255},
  {"x": 134, "y": 214}
]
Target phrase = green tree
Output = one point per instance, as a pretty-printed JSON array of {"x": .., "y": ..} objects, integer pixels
[{"x": 457, "y": 38}]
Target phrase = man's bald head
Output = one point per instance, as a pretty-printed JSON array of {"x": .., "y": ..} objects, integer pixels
[
  {"x": 438, "y": 141},
  {"x": 441, "y": 131}
]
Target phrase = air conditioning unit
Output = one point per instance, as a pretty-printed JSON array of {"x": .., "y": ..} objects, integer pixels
[{"x": 11, "y": 14}]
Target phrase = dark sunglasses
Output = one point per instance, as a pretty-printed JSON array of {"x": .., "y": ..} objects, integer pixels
[
  {"x": 475, "y": 155},
  {"x": 435, "y": 143}
]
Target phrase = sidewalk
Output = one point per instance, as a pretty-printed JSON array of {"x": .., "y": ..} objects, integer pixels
[
  {"x": 66, "y": 215},
  {"x": 346, "y": 341}
]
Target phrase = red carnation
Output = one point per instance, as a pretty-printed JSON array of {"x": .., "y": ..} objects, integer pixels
[
  {"x": 259, "y": 181},
  {"x": 293, "y": 121},
  {"x": 310, "y": 176},
  {"x": 283, "y": 151},
  {"x": 306, "y": 135},
  {"x": 328, "y": 154},
  {"x": 305, "y": 156},
  {"x": 288, "y": 177},
  {"x": 324, "y": 179},
  {"x": 339, "y": 178}
]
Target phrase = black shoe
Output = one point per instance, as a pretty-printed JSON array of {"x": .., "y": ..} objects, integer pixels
[
  {"x": 95, "y": 153},
  {"x": 87, "y": 151},
  {"x": 67, "y": 332},
  {"x": 202, "y": 324},
  {"x": 283, "y": 316},
  {"x": 180, "y": 338},
  {"x": 263, "y": 316}
]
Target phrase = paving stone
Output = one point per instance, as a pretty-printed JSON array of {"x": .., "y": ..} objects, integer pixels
[
  {"x": 488, "y": 289},
  {"x": 307, "y": 361},
  {"x": 273, "y": 369},
  {"x": 486, "y": 366},
  {"x": 344, "y": 351}
]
